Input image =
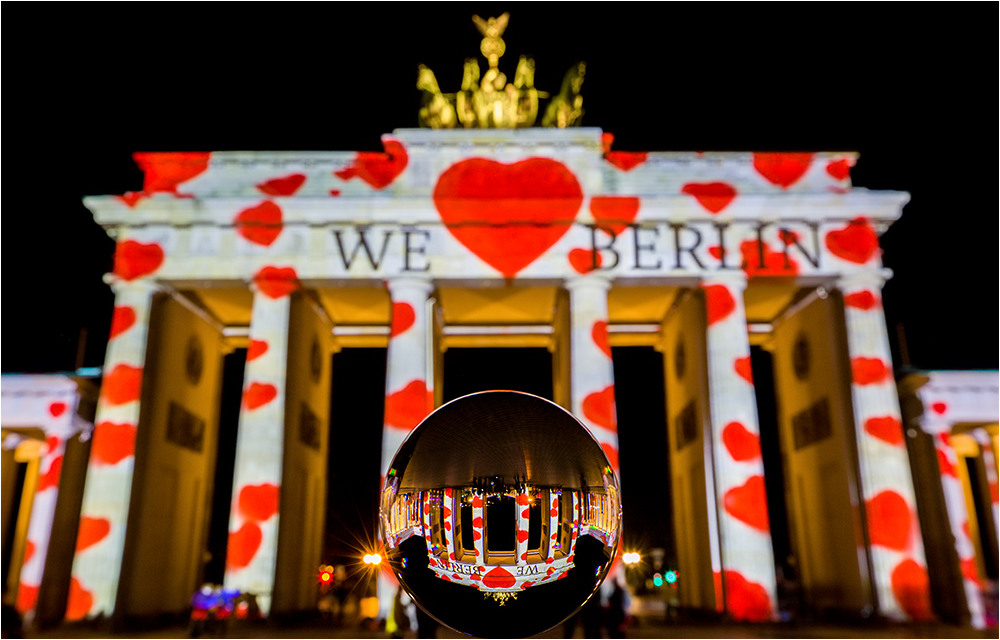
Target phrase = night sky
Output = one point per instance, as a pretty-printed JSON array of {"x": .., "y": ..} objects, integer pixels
[{"x": 915, "y": 94}]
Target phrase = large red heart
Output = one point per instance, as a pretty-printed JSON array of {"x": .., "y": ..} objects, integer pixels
[
  {"x": 743, "y": 368},
  {"x": 276, "y": 282},
  {"x": 377, "y": 169},
  {"x": 714, "y": 196},
  {"x": 405, "y": 408},
  {"x": 741, "y": 444},
  {"x": 258, "y": 394},
  {"x": 402, "y": 318},
  {"x": 243, "y": 545},
  {"x": 51, "y": 477},
  {"x": 599, "y": 333},
  {"x": 885, "y": 428},
  {"x": 626, "y": 160},
  {"x": 719, "y": 303},
  {"x": 121, "y": 321},
  {"x": 868, "y": 370},
  {"x": 840, "y": 169},
  {"x": 855, "y": 243},
  {"x": 745, "y": 600},
  {"x": 259, "y": 501},
  {"x": 286, "y": 186},
  {"x": 508, "y": 215},
  {"x": 775, "y": 262},
  {"x": 582, "y": 260},
  {"x": 256, "y": 349},
  {"x": 164, "y": 171},
  {"x": 863, "y": 300},
  {"x": 912, "y": 589},
  {"x": 57, "y": 409},
  {"x": 78, "y": 602},
  {"x": 134, "y": 260},
  {"x": 782, "y": 169},
  {"x": 889, "y": 520},
  {"x": 499, "y": 578},
  {"x": 599, "y": 408},
  {"x": 614, "y": 212},
  {"x": 261, "y": 224},
  {"x": 112, "y": 442},
  {"x": 27, "y": 598},
  {"x": 123, "y": 384},
  {"x": 612, "y": 454},
  {"x": 748, "y": 503},
  {"x": 91, "y": 531}
]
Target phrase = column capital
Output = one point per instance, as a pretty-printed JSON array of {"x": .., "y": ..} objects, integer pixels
[
  {"x": 868, "y": 279},
  {"x": 733, "y": 279},
  {"x": 593, "y": 280},
  {"x": 413, "y": 283},
  {"x": 118, "y": 285}
]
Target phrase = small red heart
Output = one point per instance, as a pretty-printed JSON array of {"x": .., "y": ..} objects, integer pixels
[
  {"x": 57, "y": 409},
  {"x": 947, "y": 469},
  {"x": 476, "y": 535},
  {"x": 523, "y": 499},
  {"x": 788, "y": 237},
  {"x": 261, "y": 224},
  {"x": 51, "y": 444},
  {"x": 91, "y": 531},
  {"x": 748, "y": 503},
  {"x": 775, "y": 262},
  {"x": 582, "y": 260},
  {"x": 477, "y": 523},
  {"x": 528, "y": 583},
  {"x": 526, "y": 513},
  {"x": 402, "y": 318},
  {"x": 448, "y": 493},
  {"x": 714, "y": 196},
  {"x": 112, "y": 442},
  {"x": 477, "y": 502},
  {"x": 243, "y": 545},
  {"x": 51, "y": 477},
  {"x": 863, "y": 300},
  {"x": 286, "y": 186},
  {"x": 522, "y": 536},
  {"x": 259, "y": 502},
  {"x": 258, "y": 394},
  {"x": 29, "y": 550},
  {"x": 276, "y": 282},
  {"x": 719, "y": 303},
  {"x": 447, "y": 525},
  {"x": 614, "y": 212},
  {"x": 912, "y": 589},
  {"x": 405, "y": 408},
  {"x": 715, "y": 252},
  {"x": 27, "y": 597},
  {"x": 885, "y": 428},
  {"x": 840, "y": 169},
  {"x": 123, "y": 384},
  {"x": 131, "y": 198},
  {"x": 256, "y": 349},
  {"x": 444, "y": 577},
  {"x": 475, "y": 576},
  {"x": 743, "y": 368},
  {"x": 79, "y": 601},
  {"x": 377, "y": 169},
  {"x": 626, "y": 160},
  {"x": 741, "y": 444},
  {"x": 121, "y": 321},
  {"x": 612, "y": 455},
  {"x": 599, "y": 408},
  {"x": 745, "y": 600},
  {"x": 889, "y": 520},
  {"x": 446, "y": 512},
  {"x": 939, "y": 408},
  {"x": 782, "y": 169},
  {"x": 855, "y": 243},
  {"x": 134, "y": 260},
  {"x": 165, "y": 171},
  {"x": 599, "y": 333},
  {"x": 334, "y": 192},
  {"x": 868, "y": 370}
]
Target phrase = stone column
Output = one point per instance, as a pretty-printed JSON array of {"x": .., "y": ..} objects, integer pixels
[
  {"x": 104, "y": 513},
  {"x": 897, "y": 551},
  {"x": 253, "y": 519},
  {"x": 990, "y": 463},
  {"x": 747, "y": 578}
]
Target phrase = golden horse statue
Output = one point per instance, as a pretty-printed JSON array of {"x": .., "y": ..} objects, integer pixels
[
  {"x": 566, "y": 109},
  {"x": 436, "y": 111}
]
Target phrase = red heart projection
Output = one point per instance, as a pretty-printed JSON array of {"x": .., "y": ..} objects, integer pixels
[
  {"x": 868, "y": 370},
  {"x": 477, "y": 523},
  {"x": 599, "y": 333},
  {"x": 51, "y": 477},
  {"x": 29, "y": 550},
  {"x": 788, "y": 237},
  {"x": 526, "y": 513},
  {"x": 261, "y": 224},
  {"x": 745, "y": 600},
  {"x": 719, "y": 303},
  {"x": 947, "y": 469},
  {"x": 626, "y": 160},
  {"x": 855, "y": 243},
  {"x": 276, "y": 282},
  {"x": 741, "y": 444},
  {"x": 78, "y": 602},
  {"x": 748, "y": 503},
  {"x": 863, "y": 300},
  {"x": 717, "y": 579},
  {"x": 508, "y": 215},
  {"x": 840, "y": 169},
  {"x": 405, "y": 408},
  {"x": 614, "y": 212},
  {"x": 714, "y": 196},
  {"x": 970, "y": 571},
  {"x": 134, "y": 260},
  {"x": 582, "y": 260},
  {"x": 121, "y": 321},
  {"x": 523, "y": 499},
  {"x": 57, "y": 409},
  {"x": 243, "y": 545},
  {"x": 27, "y": 598},
  {"x": 782, "y": 169},
  {"x": 258, "y": 394},
  {"x": 612, "y": 455},
  {"x": 477, "y": 502},
  {"x": 256, "y": 349},
  {"x": 599, "y": 408},
  {"x": 774, "y": 264},
  {"x": 885, "y": 428},
  {"x": 334, "y": 192},
  {"x": 112, "y": 442},
  {"x": 165, "y": 171},
  {"x": 377, "y": 169},
  {"x": 131, "y": 198},
  {"x": 286, "y": 186},
  {"x": 939, "y": 408},
  {"x": 91, "y": 531},
  {"x": 499, "y": 578},
  {"x": 402, "y": 318},
  {"x": 743, "y": 368},
  {"x": 51, "y": 443},
  {"x": 123, "y": 384},
  {"x": 476, "y": 535},
  {"x": 889, "y": 520},
  {"x": 912, "y": 589},
  {"x": 259, "y": 501},
  {"x": 522, "y": 536}
]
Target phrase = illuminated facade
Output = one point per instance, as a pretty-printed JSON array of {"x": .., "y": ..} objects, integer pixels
[{"x": 532, "y": 237}]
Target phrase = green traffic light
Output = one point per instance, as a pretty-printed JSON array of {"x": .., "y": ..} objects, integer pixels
[
  {"x": 671, "y": 577},
  {"x": 657, "y": 580}
]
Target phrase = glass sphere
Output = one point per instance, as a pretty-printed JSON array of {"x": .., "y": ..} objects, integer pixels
[{"x": 500, "y": 514}]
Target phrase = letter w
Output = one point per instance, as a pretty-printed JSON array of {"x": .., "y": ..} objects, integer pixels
[{"x": 362, "y": 244}]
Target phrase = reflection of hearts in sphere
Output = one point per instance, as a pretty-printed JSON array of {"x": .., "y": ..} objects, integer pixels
[{"x": 499, "y": 514}]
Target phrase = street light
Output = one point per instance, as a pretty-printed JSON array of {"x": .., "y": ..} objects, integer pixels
[
  {"x": 631, "y": 558},
  {"x": 372, "y": 558}
]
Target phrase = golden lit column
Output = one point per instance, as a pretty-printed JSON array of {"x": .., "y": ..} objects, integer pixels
[
  {"x": 990, "y": 464},
  {"x": 747, "y": 578},
  {"x": 897, "y": 550},
  {"x": 104, "y": 513},
  {"x": 253, "y": 520}
]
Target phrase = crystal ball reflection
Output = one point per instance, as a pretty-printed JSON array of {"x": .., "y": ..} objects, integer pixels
[{"x": 500, "y": 514}]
